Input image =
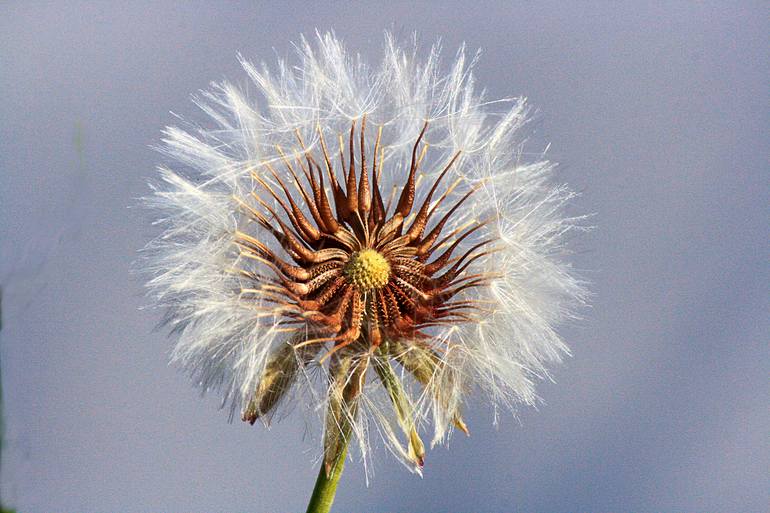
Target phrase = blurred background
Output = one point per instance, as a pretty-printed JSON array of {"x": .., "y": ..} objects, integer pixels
[{"x": 658, "y": 113}]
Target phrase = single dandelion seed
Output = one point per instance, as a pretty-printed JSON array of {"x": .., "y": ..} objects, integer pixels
[{"x": 370, "y": 233}]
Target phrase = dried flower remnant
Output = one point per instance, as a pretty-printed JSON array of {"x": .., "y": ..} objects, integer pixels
[{"x": 376, "y": 225}]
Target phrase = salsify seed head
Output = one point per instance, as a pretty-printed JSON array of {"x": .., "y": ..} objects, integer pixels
[{"x": 368, "y": 238}]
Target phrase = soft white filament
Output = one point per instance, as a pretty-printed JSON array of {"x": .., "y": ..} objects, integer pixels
[{"x": 224, "y": 344}]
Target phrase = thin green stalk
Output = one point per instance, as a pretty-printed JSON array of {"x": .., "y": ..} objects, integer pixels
[{"x": 326, "y": 486}]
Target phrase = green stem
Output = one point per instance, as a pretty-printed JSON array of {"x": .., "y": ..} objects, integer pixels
[{"x": 326, "y": 486}]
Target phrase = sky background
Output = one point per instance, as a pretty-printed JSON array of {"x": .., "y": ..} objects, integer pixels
[{"x": 657, "y": 113}]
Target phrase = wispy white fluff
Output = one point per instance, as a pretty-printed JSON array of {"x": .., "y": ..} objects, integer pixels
[{"x": 223, "y": 345}]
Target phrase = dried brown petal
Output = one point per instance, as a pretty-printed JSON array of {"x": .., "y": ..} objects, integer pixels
[{"x": 277, "y": 379}]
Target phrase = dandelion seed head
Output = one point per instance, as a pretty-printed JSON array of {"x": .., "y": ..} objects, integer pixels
[{"x": 369, "y": 235}]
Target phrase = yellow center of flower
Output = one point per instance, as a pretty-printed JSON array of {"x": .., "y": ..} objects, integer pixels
[{"x": 367, "y": 270}]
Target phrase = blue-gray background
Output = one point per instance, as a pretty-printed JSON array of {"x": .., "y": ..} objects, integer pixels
[{"x": 658, "y": 113}]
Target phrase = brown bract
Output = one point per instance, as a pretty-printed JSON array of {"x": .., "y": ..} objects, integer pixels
[{"x": 363, "y": 271}]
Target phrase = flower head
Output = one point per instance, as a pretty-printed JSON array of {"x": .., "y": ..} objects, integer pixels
[{"x": 370, "y": 232}]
